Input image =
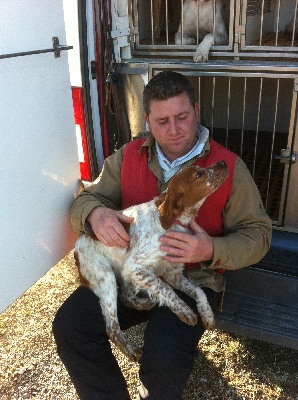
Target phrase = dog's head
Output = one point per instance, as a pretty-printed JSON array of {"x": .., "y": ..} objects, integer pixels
[{"x": 187, "y": 191}]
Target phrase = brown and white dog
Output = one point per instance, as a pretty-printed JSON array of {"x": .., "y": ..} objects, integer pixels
[
  {"x": 139, "y": 267},
  {"x": 198, "y": 21}
]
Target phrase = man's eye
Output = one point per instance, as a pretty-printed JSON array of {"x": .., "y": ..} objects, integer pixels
[{"x": 162, "y": 122}]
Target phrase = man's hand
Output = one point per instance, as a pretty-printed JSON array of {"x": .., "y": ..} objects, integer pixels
[
  {"x": 106, "y": 224},
  {"x": 186, "y": 247}
]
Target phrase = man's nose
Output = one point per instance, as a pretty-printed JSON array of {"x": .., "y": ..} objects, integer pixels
[{"x": 173, "y": 127}]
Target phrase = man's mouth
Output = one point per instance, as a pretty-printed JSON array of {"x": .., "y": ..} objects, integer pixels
[{"x": 176, "y": 140}]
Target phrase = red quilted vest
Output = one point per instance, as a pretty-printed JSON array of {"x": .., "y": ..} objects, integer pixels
[{"x": 138, "y": 184}]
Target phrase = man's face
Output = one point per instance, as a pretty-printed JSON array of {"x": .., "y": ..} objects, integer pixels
[{"x": 173, "y": 124}]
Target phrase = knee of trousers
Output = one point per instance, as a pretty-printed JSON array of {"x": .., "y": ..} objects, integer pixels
[
  {"x": 167, "y": 356},
  {"x": 170, "y": 343}
]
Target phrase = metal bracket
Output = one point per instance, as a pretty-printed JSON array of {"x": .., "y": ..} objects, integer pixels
[{"x": 56, "y": 49}]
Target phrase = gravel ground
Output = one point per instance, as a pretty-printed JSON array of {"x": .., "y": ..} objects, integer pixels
[{"x": 227, "y": 367}]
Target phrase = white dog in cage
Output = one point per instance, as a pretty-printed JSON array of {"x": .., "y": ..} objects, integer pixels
[{"x": 198, "y": 22}]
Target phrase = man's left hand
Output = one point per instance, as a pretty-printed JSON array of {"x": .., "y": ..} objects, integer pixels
[{"x": 187, "y": 247}]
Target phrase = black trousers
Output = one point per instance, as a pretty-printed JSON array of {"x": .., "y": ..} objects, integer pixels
[{"x": 83, "y": 346}]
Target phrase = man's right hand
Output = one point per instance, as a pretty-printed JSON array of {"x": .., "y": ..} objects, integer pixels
[{"x": 106, "y": 225}]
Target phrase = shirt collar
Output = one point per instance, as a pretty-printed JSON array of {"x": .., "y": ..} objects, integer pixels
[{"x": 203, "y": 138}]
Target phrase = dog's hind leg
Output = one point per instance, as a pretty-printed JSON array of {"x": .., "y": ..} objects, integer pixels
[
  {"x": 106, "y": 290},
  {"x": 180, "y": 282},
  {"x": 100, "y": 278}
]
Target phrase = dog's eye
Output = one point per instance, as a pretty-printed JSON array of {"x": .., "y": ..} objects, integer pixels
[{"x": 199, "y": 174}]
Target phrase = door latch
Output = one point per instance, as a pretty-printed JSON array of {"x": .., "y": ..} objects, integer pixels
[
  {"x": 286, "y": 156},
  {"x": 93, "y": 68}
]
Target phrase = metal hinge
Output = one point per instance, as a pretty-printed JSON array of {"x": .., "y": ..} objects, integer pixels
[
  {"x": 286, "y": 156},
  {"x": 130, "y": 34},
  {"x": 120, "y": 32},
  {"x": 133, "y": 33},
  {"x": 131, "y": 38}
]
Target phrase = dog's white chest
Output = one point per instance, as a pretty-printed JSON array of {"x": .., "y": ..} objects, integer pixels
[{"x": 198, "y": 15}]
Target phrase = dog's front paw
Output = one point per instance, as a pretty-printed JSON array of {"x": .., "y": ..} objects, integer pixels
[
  {"x": 201, "y": 55},
  {"x": 207, "y": 316},
  {"x": 202, "y": 52},
  {"x": 208, "y": 322},
  {"x": 186, "y": 314}
]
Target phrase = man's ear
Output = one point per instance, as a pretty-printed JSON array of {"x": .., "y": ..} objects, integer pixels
[
  {"x": 197, "y": 111},
  {"x": 147, "y": 121}
]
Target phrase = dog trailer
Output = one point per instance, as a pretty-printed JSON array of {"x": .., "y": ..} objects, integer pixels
[{"x": 247, "y": 92}]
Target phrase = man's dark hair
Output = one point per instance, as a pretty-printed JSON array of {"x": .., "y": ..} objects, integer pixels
[{"x": 165, "y": 85}]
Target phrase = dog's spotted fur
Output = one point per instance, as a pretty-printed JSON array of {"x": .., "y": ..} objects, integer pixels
[{"x": 138, "y": 268}]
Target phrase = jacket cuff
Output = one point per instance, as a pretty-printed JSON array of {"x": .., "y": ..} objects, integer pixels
[
  {"x": 219, "y": 250},
  {"x": 87, "y": 211}
]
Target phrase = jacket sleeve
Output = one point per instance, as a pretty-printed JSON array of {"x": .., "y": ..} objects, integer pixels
[
  {"x": 247, "y": 227},
  {"x": 105, "y": 192}
]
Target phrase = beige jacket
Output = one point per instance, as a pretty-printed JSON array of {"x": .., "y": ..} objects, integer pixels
[{"x": 247, "y": 228}]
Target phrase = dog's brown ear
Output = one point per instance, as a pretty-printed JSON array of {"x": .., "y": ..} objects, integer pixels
[
  {"x": 160, "y": 199},
  {"x": 169, "y": 209}
]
